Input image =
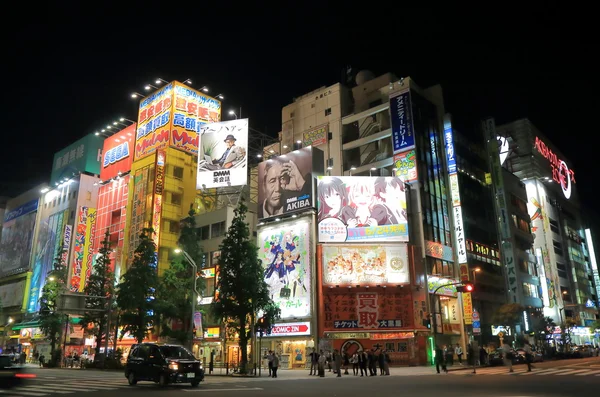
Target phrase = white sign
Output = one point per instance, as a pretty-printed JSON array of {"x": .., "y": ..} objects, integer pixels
[
  {"x": 290, "y": 329},
  {"x": 459, "y": 231},
  {"x": 223, "y": 154},
  {"x": 454, "y": 190}
]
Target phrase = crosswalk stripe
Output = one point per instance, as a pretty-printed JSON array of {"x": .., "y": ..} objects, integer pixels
[
  {"x": 572, "y": 372},
  {"x": 85, "y": 387},
  {"x": 537, "y": 371},
  {"x": 552, "y": 372},
  {"x": 23, "y": 393},
  {"x": 589, "y": 372},
  {"x": 70, "y": 387},
  {"x": 44, "y": 389}
]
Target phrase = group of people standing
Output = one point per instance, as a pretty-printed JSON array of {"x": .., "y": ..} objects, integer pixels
[{"x": 363, "y": 362}]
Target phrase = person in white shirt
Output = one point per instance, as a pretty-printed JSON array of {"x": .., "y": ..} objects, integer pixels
[{"x": 459, "y": 353}]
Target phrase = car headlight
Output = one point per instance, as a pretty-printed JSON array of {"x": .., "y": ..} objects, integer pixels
[
  {"x": 199, "y": 365},
  {"x": 174, "y": 366}
]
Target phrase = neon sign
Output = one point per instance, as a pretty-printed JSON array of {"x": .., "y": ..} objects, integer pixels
[
  {"x": 116, "y": 154},
  {"x": 560, "y": 171}
]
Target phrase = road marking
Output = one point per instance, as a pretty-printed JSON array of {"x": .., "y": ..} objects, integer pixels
[
  {"x": 572, "y": 372},
  {"x": 236, "y": 389},
  {"x": 551, "y": 372},
  {"x": 591, "y": 372},
  {"x": 537, "y": 371},
  {"x": 47, "y": 389},
  {"x": 17, "y": 391}
]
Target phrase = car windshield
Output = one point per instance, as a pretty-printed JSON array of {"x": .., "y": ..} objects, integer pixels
[
  {"x": 176, "y": 352},
  {"x": 5, "y": 361}
]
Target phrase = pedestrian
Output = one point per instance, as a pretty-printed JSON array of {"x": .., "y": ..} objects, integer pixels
[
  {"x": 346, "y": 358},
  {"x": 386, "y": 362},
  {"x": 42, "y": 360},
  {"x": 449, "y": 355},
  {"x": 337, "y": 358},
  {"x": 508, "y": 356},
  {"x": 482, "y": 356},
  {"x": 322, "y": 362},
  {"x": 275, "y": 365},
  {"x": 459, "y": 353},
  {"x": 354, "y": 362},
  {"x": 269, "y": 358},
  {"x": 363, "y": 359},
  {"x": 528, "y": 355},
  {"x": 314, "y": 362},
  {"x": 381, "y": 362},
  {"x": 440, "y": 359},
  {"x": 329, "y": 359}
]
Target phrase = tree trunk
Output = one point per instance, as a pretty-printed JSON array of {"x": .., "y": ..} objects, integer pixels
[
  {"x": 99, "y": 339},
  {"x": 243, "y": 345}
]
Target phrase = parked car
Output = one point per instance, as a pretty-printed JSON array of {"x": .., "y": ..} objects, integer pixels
[
  {"x": 535, "y": 354},
  {"x": 163, "y": 364},
  {"x": 496, "y": 357},
  {"x": 12, "y": 375}
]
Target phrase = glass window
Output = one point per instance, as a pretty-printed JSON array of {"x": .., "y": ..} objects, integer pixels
[
  {"x": 176, "y": 352},
  {"x": 402, "y": 347},
  {"x": 204, "y": 232},
  {"x": 217, "y": 229},
  {"x": 178, "y": 172},
  {"x": 176, "y": 198}
]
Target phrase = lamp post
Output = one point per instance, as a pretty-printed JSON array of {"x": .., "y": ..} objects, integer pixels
[
  {"x": 195, "y": 296},
  {"x": 8, "y": 323}
]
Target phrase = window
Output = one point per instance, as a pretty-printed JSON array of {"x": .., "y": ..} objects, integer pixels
[
  {"x": 174, "y": 227},
  {"x": 554, "y": 226},
  {"x": 209, "y": 287},
  {"x": 176, "y": 198},
  {"x": 327, "y": 111},
  {"x": 312, "y": 105},
  {"x": 178, "y": 172},
  {"x": 204, "y": 232},
  {"x": 390, "y": 346},
  {"x": 530, "y": 290},
  {"x": 292, "y": 115},
  {"x": 402, "y": 347},
  {"x": 217, "y": 229}
]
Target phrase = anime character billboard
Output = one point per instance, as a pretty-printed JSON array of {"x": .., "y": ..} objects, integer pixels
[
  {"x": 285, "y": 254},
  {"x": 362, "y": 209}
]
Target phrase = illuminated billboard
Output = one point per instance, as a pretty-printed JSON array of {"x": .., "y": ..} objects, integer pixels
[
  {"x": 403, "y": 135},
  {"x": 173, "y": 116},
  {"x": 223, "y": 157},
  {"x": 361, "y": 208},
  {"x": 83, "y": 253},
  {"x": 286, "y": 183},
  {"x": 316, "y": 136},
  {"x": 83, "y": 155},
  {"x": 405, "y": 165},
  {"x": 561, "y": 173},
  {"x": 285, "y": 252},
  {"x": 17, "y": 238},
  {"x": 117, "y": 154},
  {"x": 192, "y": 110},
  {"x": 365, "y": 264}
]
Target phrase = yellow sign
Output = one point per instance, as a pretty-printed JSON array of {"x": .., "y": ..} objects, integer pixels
[
  {"x": 467, "y": 307},
  {"x": 347, "y": 335}
]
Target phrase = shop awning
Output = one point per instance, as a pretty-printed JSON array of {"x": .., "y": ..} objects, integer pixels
[{"x": 26, "y": 324}]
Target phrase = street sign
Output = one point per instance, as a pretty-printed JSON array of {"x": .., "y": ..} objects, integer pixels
[
  {"x": 476, "y": 327},
  {"x": 475, "y": 317}
]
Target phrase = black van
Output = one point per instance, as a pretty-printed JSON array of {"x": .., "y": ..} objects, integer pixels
[{"x": 163, "y": 364}]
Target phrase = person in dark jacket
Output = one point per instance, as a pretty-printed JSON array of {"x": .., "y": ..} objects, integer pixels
[
  {"x": 440, "y": 360},
  {"x": 363, "y": 360},
  {"x": 381, "y": 359}
]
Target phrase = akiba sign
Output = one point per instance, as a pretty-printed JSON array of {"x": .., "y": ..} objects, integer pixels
[
  {"x": 560, "y": 171},
  {"x": 290, "y": 329}
]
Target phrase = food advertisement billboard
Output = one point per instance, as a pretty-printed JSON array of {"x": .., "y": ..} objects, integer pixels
[
  {"x": 191, "y": 111},
  {"x": 285, "y": 183},
  {"x": 361, "y": 209},
  {"x": 286, "y": 256},
  {"x": 154, "y": 122},
  {"x": 17, "y": 238},
  {"x": 223, "y": 157},
  {"x": 365, "y": 264},
  {"x": 117, "y": 154}
]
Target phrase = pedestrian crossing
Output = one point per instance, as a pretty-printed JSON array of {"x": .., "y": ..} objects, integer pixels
[
  {"x": 45, "y": 387},
  {"x": 503, "y": 371}
]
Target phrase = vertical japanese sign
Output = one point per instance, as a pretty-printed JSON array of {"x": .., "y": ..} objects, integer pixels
[
  {"x": 138, "y": 209},
  {"x": 450, "y": 155},
  {"x": 502, "y": 214},
  {"x": 402, "y": 128},
  {"x": 82, "y": 251},
  {"x": 159, "y": 184},
  {"x": 366, "y": 310},
  {"x": 66, "y": 242}
]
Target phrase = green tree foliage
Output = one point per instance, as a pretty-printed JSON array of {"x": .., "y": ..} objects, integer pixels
[
  {"x": 100, "y": 287},
  {"x": 241, "y": 285},
  {"x": 177, "y": 282},
  {"x": 52, "y": 321},
  {"x": 137, "y": 289},
  {"x": 509, "y": 314}
]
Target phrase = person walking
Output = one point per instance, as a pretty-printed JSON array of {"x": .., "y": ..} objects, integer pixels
[
  {"x": 459, "y": 353},
  {"x": 386, "y": 362},
  {"x": 528, "y": 355},
  {"x": 314, "y": 362},
  {"x": 269, "y": 358},
  {"x": 363, "y": 360},
  {"x": 322, "y": 362},
  {"x": 275, "y": 365},
  {"x": 346, "y": 359},
  {"x": 508, "y": 356},
  {"x": 354, "y": 362},
  {"x": 440, "y": 359},
  {"x": 381, "y": 362},
  {"x": 337, "y": 358}
]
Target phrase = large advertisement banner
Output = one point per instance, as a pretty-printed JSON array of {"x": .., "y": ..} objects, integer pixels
[
  {"x": 191, "y": 111},
  {"x": 286, "y": 256},
  {"x": 315, "y": 137},
  {"x": 361, "y": 208},
  {"x": 84, "y": 155},
  {"x": 365, "y": 265},
  {"x": 85, "y": 229},
  {"x": 117, "y": 154},
  {"x": 154, "y": 121},
  {"x": 223, "y": 157},
  {"x": 17, "y": 238},
  {"x": 405, "y": 164},
  {"x": 138, "y": 209},
  {"x": 368, "y": 310},
  {"x": 285, "y": 184},
  {"x": 402, "y": 127}
]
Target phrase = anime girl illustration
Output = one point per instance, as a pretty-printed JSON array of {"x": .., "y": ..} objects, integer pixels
[
  {"x": 333, "y": 200},
  {"x": 292, "y": 275},
  {"x": 275, "y": 273},
  {"x": 368, "y": 212}
]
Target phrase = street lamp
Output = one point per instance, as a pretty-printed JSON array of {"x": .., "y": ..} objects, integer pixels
[
  {"x": 150, "y": 86},
  {"x": 475, "y": 271},
  {"x": 232, "y": 113},
  {"x": 196, "y": 294},
  {"x": 220, "y": 96},
  {"x": 371, "y": 171},
  {"x": 159, "y": 80},
  {"x": 136, "y": 95}
]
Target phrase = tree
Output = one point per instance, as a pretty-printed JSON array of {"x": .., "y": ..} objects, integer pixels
[
  {"x": 241, "y": 285},
  {"x": 100, "y": 287},
  {"x": 136, "y": 292},
  {"x": 176, "y": 284},
  {"x": 509, "y": 314},
  {"x": 52, "y": 321}
]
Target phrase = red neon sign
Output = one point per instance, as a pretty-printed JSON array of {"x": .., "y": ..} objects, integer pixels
[{"x": 560, "y": 171}]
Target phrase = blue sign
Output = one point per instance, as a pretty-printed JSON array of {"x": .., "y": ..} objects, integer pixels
[
  {"x": 450, "y": 154},
  {"x": 22, "y": 210},
  {"x": 402, "y": 127},
  {"x": 115, "y": 154},
  {"x": 476, "y": 324}
]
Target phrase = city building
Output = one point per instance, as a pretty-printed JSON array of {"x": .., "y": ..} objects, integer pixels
[
  {"x": 565, "y": 267},
  {"x": 3, "y": 202},
  {"x": 16, "y": 241}
]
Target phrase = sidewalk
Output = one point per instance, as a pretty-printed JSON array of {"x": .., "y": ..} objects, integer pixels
[{"x": 304, "y": 373}]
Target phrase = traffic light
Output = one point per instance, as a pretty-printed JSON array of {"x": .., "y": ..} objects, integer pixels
[
  {"x": 427, "y": 321},
  {"x": 468, "y": 287}
]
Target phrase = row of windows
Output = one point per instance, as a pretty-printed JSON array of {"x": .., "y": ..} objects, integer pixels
[
  {"x": 212, "y": 231},
  {"x": 518, "y": 203},
  {"x": 327, "y": 111},
  {"x": 61, "y": 199},
  {"x": 521, "y": 224},
  {"x": 530, "y": 290},
  {"x": 528, "y": 267}
]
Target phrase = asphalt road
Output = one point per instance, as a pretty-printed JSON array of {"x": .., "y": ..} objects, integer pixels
[{"x": 575, "y": 378}]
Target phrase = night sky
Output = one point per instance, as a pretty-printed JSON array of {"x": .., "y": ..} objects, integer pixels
[{"x": 70, "y": 71}]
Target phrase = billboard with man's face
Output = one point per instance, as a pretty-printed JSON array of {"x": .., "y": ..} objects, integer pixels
[
  {"x": 362, "y": 208},
  {"x": 285, "y": 183},
  {"x": 222, "y": 154}
]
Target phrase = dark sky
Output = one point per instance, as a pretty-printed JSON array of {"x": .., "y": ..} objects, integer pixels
[{"x": 69, "y": 70}]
